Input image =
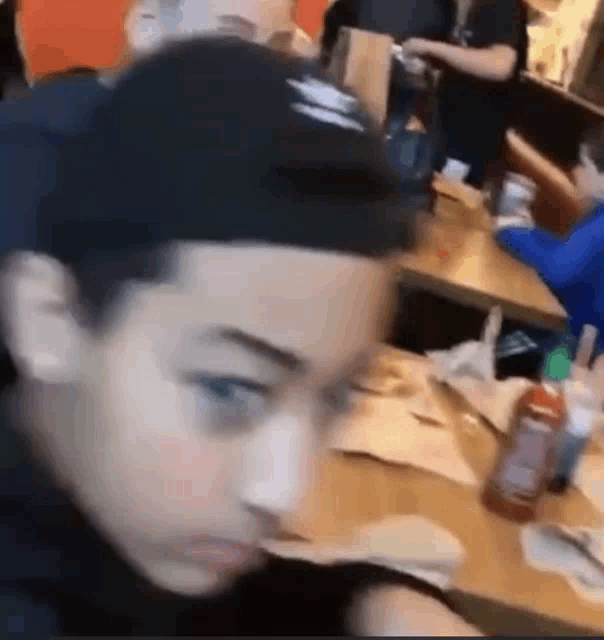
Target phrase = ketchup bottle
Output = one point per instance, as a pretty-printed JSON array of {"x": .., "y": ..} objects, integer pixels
[{"x": 527, "y": 458}]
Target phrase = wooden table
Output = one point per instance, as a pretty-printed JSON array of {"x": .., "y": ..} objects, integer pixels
[
  {"x": 464, "y": 263},
  {"x": 357, "y": 489}
]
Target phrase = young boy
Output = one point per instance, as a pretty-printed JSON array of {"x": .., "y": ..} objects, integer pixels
[
  {"x": 207, "y": 275},
  {"x": 573, "y": 266}
]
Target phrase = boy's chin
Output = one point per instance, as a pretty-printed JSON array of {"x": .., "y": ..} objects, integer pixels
[{"x": 196, "y": 581}]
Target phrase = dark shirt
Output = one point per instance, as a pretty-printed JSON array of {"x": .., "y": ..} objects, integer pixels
[
  {"x": 428, "y": 19},
  {"x": 30, "y": 131},
  {"x": 64, "y": 106},
  {"x": 431, "y": 19},
  {"x": 474, "y": 111}
]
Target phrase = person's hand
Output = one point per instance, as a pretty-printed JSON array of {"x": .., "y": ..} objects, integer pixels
[{"x": 416, "y": 47}]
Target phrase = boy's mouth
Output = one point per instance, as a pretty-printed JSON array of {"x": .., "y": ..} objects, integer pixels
[{"x": 220, "y": 552}]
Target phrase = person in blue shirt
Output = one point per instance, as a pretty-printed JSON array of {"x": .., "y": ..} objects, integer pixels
[{"x": 572, "y": 266}]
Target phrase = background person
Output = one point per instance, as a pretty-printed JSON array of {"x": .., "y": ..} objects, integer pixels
[
  {"x": 481, "y": 61},
  {"x": 481, "y": 46},
  {"x": 62, "y": 102},
  {"x": 431, "y": 19},
  {"x": 573, "y": 267}
]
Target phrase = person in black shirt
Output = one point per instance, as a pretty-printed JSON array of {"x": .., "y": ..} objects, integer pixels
[
  {"x": 429, "y": 19},
  {"x": 182, "y": 337},
  {"x": 481, "y": 64}
]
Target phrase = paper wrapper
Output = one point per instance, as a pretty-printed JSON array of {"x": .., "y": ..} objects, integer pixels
[
  {"x": 475, "y": 359},
  {"x": 577, "y": 554},
  {"x": 397, "y": 373},
  {"x": 384, "y": 428},
  {"x": 409, "y": 544},
  {"x": 470, "y": 197},
  {"x": 494, "y": 400}
]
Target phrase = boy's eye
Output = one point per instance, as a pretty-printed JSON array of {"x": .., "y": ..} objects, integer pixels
[
  {"x": 337, "y": 397},
  {"x": 234, "y": 403}
]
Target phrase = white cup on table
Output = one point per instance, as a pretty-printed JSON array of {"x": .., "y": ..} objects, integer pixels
[
  {"x": 517, "y": 195},
  {"x": 455, "y": 170}
]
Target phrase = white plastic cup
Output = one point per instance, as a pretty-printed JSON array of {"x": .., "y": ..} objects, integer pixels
[
  {"x": 518, "y": 194},
  {"x": 455, "y": 170}
]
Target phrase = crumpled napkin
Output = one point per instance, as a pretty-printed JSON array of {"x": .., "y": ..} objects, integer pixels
[
  {"x": 384, "y": 428},
  {"x": 474, "y": 358},
  {"x": 409, "y": 544},
  {"x": 495, "y": 400},
  {"x": 576, "y": 553},
  {"x": 397, "y": 373}
]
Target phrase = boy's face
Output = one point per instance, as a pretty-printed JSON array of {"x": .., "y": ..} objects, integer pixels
[
  {"x": 148, "y": 25},
  {"x": 191, "y": 427}
]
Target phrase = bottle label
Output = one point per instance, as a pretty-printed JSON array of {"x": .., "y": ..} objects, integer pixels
[
  {"x": 521, "y": 479},
  {"x": 520, "y": 473},
  {"x": 580, "y": 420}
]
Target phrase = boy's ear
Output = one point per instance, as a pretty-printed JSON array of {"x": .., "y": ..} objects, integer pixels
[{"x": 40, "y": 331}]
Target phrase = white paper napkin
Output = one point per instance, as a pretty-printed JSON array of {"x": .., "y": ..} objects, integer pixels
[
  {"x": 577, "y": 554},
  {"x": 384, "y": 428},
  {"x": 475, "y": 359}
]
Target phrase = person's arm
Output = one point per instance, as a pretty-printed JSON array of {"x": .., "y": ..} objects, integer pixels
[
  {"x": 499, "y": 46},
  {"x": 495, "y": 63},
  {"x": 559, "y": 263}
]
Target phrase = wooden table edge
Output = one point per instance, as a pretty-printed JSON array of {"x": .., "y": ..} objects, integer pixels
[{"x": 479, "y": 299}]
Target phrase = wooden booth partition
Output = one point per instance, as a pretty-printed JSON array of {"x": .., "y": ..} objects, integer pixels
[{"x": 557, "y": 205}]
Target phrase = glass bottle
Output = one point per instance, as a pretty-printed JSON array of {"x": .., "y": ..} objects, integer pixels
[{"x": 527, "y": 458}]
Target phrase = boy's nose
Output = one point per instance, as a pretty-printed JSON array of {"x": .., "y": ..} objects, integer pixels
[{"x": 278, "y": 463}]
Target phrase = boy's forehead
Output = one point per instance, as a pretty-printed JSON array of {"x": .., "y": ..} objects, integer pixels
[
  {"x": 312, "y": 302},
  {"x": 259, "y": 265}
]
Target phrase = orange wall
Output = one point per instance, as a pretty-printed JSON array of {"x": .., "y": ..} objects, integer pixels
[
  {"x": 58, "y": 34},
  {"x": 309, "y": 15}
]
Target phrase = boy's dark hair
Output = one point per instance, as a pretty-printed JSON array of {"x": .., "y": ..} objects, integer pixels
[
  {"x": 593, "y": 140},
  {"x": 212, "y": 141}
]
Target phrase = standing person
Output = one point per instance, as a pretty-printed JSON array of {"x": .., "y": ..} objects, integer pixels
[
  {"x": 182, "y": 337},
  {"x": 573, "y": 267},
  {"x": 481, "y": 61},
  {"x": 430, "y": 19}
]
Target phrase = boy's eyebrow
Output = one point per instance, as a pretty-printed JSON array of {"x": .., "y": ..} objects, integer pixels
[{"x": 260, "y": 347}]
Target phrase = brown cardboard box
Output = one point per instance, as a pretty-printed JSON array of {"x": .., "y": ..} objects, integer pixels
[
  {"x": 361, "y": 62},
  {"x": 460, "y": 203}
]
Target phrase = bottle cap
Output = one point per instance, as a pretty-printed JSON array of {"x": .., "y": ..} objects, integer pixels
[{"x": 557, "y": 364}]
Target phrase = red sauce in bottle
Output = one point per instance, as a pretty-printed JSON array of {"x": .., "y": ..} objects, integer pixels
[{"x": 527, "y": 458}]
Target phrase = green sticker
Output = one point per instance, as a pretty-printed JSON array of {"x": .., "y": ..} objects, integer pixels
[{"x": 557, "y": 366}]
